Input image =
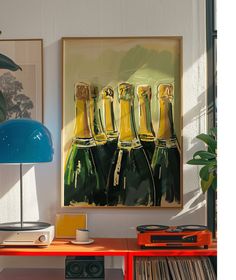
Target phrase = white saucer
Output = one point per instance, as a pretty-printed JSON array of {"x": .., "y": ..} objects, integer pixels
[{"x": 82, "y": 242}]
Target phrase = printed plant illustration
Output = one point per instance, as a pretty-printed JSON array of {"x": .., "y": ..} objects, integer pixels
[{"x": 13, "y": 102}]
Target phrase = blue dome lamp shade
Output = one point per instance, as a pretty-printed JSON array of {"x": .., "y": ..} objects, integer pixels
[{"x": 24, "y": 141}]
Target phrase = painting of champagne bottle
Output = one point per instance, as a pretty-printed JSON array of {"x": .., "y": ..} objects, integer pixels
[
  {"x": 110, "y": 125},
  {"x": 146, "y": 132},
  {"x": 166, "y": 157},
  {"x": 104, "y": 151},
  {"x": 84, "y": 183},
  {"x": 109, "y": 118},
  {"x": 130, "y": 181}
]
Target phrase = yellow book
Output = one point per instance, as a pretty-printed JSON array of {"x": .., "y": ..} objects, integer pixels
[{"x": 67, "y": 223}]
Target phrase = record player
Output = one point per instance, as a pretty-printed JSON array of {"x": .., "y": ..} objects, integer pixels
[
  {"x": 159, "y": 236},
  {"x": 39, "y": 237}
]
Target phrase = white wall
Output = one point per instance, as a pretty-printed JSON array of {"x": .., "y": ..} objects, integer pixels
[{"x": 53, "y": 19}]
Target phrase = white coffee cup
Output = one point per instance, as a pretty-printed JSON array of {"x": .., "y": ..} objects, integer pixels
[{"x": 82, "y": 235}]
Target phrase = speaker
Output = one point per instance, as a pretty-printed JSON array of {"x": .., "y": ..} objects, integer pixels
[{"x": 85, "y": 268}]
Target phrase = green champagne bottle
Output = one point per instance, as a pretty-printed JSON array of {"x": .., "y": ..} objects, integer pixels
[
  {"x": 109, "y": 117},
  {"x": 130, "y": 181},
  {"x": 84, "y": 183},
  {"x": 166, "y": 158},
  {"x": 95, "y": 117},
  {"x": 146, "y": 132},
  {"x": 104, "y": 151}
]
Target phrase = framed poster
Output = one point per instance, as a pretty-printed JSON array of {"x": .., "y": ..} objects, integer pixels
[
  {"x": 21, "y": 79},
  {"x": 122, "y": 121}
]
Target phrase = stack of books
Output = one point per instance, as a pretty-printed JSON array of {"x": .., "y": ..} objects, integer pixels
[{"x": 174, "y": 268}]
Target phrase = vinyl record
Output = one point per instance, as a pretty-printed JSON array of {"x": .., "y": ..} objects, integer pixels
[
  {"x": 144, "y": 228},
  {"x": 192, "y": 227}
]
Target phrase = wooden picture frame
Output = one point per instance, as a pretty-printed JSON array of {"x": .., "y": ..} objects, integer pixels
[
  {"x": 21, "y": 79},
  {"x": 108, "y": 61}
]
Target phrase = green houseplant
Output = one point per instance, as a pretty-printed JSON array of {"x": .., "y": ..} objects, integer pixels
[{"x": 208, "y": 160}]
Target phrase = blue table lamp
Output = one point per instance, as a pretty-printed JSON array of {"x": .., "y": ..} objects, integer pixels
[{"x": 24, "y": 141}]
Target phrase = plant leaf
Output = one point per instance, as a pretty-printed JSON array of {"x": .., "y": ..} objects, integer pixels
[
  {"x": 198, "y": 162},
  {"x": 209, "y": 140},
  {"x": 205, "y": 185},
  {"x": 213, "y": 132},
  {"x": 204, "y": 155},
  {"x": 204, "y": 173},
  {"x": 7, "y": 63}
]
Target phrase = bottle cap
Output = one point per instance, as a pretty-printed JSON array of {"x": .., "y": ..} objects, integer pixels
[
  {"x": 107, "y": 93},
  {"x": 166, "y": 91},
  {"x": 82, "y": 91},
  {"x": 126, "y": 91},
  {"x": 94, "y": 91},
  {"x": 144, "y": 91}
]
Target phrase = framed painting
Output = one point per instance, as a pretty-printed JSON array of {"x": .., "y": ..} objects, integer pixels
[
  {"x": 122, "y": 122},
  {"x": 21, "y": 79}
]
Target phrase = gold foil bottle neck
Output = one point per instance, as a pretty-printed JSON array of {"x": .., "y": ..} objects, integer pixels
[
  {"x": 166, "y": 91},
  {"x": 126, "y": 91},
  {"x": 107, "y": 93},
  {"x": 144, "y": 91},
  {"x": 82, "y": 91}
]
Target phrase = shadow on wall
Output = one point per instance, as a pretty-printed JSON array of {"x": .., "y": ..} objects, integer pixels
[
  {"x": 194, "y": 201},
  {"x": 35, "y": 193},
  {"x": 10, "y": 208},
  {"x": 12, "y": 173},
  {"x": 47, "y": 205},
  {"x": 196, "y": 114},
  {"x": 197, "y": 111}
]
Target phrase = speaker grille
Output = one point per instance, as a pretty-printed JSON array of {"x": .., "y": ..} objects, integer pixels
[{"x": 85, "y": 268}]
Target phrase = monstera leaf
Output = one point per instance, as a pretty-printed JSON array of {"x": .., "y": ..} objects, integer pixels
[{"x": 7, "y": 63}]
